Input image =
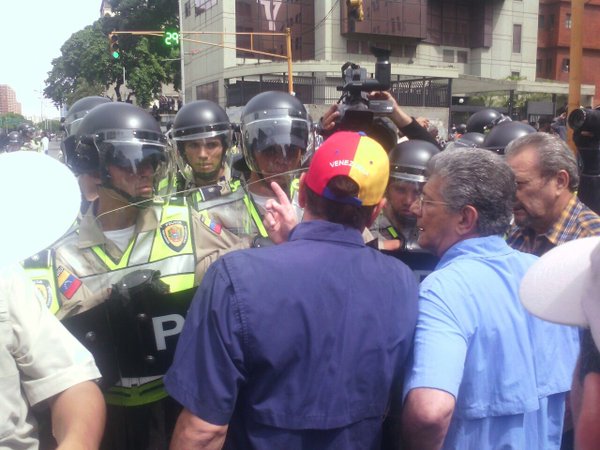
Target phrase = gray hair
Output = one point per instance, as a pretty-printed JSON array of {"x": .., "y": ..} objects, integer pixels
[
  {"x": 553, "y": 155},
  {"x": 479, "y": 178}
]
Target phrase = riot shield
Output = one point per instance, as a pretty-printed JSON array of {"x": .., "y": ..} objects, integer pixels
[
  {"x": 93, "y": 330},
  {"x": 146, "y": 320}
]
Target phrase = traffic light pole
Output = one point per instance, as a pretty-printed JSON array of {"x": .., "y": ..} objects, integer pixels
[{"x": 287, "y": 35}]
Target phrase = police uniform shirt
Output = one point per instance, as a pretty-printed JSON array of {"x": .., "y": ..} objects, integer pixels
[
  {"x": 39, "y": 358},
  {"x": 77, "y": 265}
]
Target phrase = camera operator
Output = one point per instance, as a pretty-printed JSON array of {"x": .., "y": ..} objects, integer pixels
[{"x": 406, "y": 124}]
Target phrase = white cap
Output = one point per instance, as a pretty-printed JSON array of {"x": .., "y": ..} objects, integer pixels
[
  {"x": 39, "y": 198},
  {"x": 563, "y": 286}
]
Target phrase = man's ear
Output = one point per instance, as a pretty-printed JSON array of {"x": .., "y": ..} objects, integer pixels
[
  {"x": 376, "y": 212},
  {"x": 562, "y": 180},
  {"x": 467, "y": 224},
  {"x": 302, "y": 192}
]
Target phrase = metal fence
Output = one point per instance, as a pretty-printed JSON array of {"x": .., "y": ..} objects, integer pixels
[{"x": 315, "y": 89}]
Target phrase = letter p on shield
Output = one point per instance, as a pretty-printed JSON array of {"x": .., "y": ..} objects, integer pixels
[{"x": 160, "y": 332}]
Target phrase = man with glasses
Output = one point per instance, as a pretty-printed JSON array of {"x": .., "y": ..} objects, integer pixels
[
  {"x": 547, "y": 211},
  {"x": 474, "y": 382}
]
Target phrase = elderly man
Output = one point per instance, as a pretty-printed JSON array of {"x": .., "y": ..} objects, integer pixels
[
  {"x": 473, "y": 382},
  {"x": 300, "y": 345},
  {"x": 547, "y": 212}
]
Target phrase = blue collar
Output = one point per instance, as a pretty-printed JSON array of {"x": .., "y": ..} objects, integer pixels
[
  {"x": 479, "y": 247},
  {"x": 322, "y": 230}
]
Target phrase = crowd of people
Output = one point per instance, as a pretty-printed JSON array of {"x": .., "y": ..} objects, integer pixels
[{"x": 254, "y": 289}]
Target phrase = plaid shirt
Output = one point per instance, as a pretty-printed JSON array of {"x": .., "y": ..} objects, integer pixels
[{"x": 576, "y": 221}]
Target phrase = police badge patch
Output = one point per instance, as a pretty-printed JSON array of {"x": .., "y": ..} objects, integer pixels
[{"x": 175, "y": 234}]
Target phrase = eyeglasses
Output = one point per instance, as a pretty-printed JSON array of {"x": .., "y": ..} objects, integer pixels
[{"x": 421, "y": 200}]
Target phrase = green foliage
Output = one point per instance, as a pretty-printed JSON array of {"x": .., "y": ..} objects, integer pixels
[
  {"x": 11, "y": 121},
  {"x": 86, "y": 66}
]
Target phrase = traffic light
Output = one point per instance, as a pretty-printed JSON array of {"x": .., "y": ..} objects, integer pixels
[
  {"x": 355, "y": 10},
  {"x": 171, "y": 38},
  {"x": 113, "y": 42}
]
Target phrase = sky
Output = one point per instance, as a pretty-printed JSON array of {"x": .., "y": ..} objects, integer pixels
[{"x": 31, "y": 35}]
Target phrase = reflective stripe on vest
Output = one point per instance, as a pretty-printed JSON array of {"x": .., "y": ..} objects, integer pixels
[
  {"x": 45, "y": 281},
  {"x": 151, "y": 253},
  {"x": 392, "y": 232}
]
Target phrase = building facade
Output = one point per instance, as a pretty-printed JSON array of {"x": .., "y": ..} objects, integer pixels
[
  {"x": 554, "y": 40},
  {"x": 427, "y": 38},
  {"x": 8, "y": 100}
]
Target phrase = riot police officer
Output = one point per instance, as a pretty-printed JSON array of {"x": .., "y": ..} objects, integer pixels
[
  {"x": 277, "y": 140},
  {"x": 503, "y": 134},
  {"x": 85, "y": 169},
  {"x": 396, "y": 226},
  {"x": 136, "y": 262},
  {"x": 484, "y": 120},
  {"x": 28, "y": 138}
]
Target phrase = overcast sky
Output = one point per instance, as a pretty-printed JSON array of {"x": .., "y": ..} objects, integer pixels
[{"x": 32, "y": 33}]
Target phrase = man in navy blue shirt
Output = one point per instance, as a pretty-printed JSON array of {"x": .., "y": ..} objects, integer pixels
[{"x": 301, "y": 345}]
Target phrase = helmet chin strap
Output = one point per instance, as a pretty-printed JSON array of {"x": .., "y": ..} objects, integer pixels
[{"x": 121, "y": 195}]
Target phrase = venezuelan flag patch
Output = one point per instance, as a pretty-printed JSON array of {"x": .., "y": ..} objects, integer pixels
[
  {"x": 67, "y": 282},
  {"x": 211, "y": 224}
]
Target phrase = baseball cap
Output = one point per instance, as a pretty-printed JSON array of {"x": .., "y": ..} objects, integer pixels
[
  {"x": 563, "y": 286},
  {"x": 355, "y": 155},
  {"x": 37, "y": 211}
]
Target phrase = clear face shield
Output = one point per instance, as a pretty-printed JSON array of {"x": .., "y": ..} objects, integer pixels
[
  {"x": 133, "y": 163},
  {"x": 201, "y": 155},
  {"x": 277, "y": 145}
]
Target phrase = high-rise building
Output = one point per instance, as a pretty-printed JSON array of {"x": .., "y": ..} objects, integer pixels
[
  {"x": 554, "y": 41},
  {"x": 427, "y": 38},
  {"x": 8, "y": 100}
]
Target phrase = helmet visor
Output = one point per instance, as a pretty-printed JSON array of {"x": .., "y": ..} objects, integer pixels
[
  {"x": 202, "y": 132},
  {"x": 282, "y": 139}
]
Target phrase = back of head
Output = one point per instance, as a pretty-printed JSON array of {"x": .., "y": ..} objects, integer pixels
[
  {"x": 275, "y": 119},
  {"x": 119, "y": 134},
  {"x": 478, "y": 178},
  {"x": 484, "y": 120},
  {"x": 503, "y": 134},
  {"x": 347, "y": 178},
  {"x": 553, "y": 155},
  {"x": 408, "y": 160}
]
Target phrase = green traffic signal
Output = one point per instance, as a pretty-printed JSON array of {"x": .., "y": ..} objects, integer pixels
[
  {"x": 171, "y": 38},
  {"x": 114, "y": 46}
]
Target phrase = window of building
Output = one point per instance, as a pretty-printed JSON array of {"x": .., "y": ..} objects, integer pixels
[
  {"x": 549, "y": 71},
  {"x": 462, "y": 57},
  {"x": 538, "y": 67},
  {"x": 568, "y": 21},
  {"x": 541, "y": 22},
  {"x": 551, "y": 21},
  {"x": 448, "y": 56},
  {"x": 515, "y": 74},
  {"x": 187, "y": 8},
  {"x": 351, "y": 46},
  {"x": 566, "y": 63},
  {"x": 516, "y": 47}
]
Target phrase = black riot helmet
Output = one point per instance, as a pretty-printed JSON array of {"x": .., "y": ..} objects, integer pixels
[
  {"x": 278, "y": 123},
  {"x": 503, "y": 134},
  {"x": 79, "y": 110},
  {"x": 484, "y": 120},
  {"x": 14, "y": 141},
  {"x": 408, "y": 160},
  {"x": 467, "y": 140},
  {"x": 71, "y": 124},
  {"x": 201, "y": 119},
  {"x": 120, "y": 134}
]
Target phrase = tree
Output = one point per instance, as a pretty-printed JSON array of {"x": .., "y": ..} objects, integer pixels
[{"x": 86, "y": 67}]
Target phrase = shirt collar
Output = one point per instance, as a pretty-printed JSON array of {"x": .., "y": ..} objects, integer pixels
[
  {"x": 322, "y": 230},
  {"x": 475, "y": 247},
  {"x": 90, "y": 232},
  {"x": 557, "y": 234}
]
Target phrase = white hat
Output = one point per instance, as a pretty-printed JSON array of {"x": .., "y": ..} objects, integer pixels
[
  {"x": 563, "y": 286},
  {"x": 39, "y": 198}
]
